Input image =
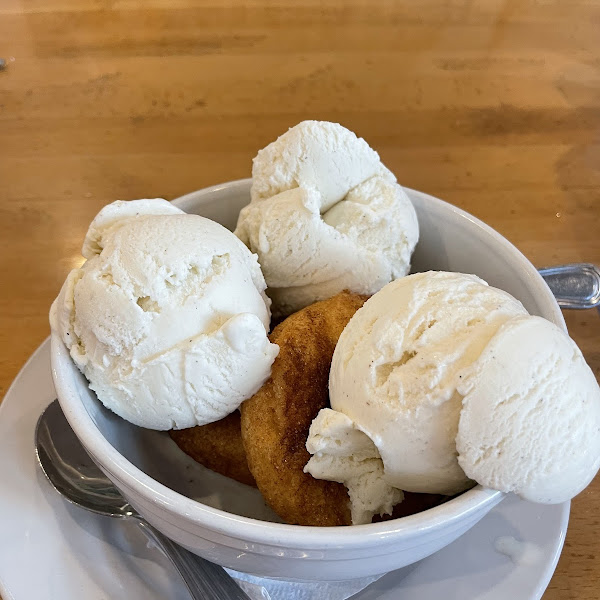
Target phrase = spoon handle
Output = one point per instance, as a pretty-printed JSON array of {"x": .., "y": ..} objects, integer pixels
[
  {"x": 204, "y": 580},
  {"x": 574, "y": 286}
]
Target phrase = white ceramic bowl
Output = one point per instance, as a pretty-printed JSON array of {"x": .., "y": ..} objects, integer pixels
[{"x": 227, "y": 522}]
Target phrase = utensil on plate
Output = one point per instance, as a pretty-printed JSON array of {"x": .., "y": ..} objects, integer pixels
[{"x": 76, "y": 477}]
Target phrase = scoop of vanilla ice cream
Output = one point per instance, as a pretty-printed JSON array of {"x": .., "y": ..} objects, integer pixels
[
  {"x": 397, "y": 366},
  {"x": 115, "y": 214},
  {"x": 530, "y": 421},
  {"x": 315, "y": 155},
  {"x": 343, "y": 453},
  {"x": 360, "y": 244},
  {"x": 167, "y": 318},
  {"x": 325, "y": 216}
]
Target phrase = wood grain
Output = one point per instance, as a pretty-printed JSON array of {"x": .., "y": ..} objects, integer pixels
[{"x": 494, "y": 106}]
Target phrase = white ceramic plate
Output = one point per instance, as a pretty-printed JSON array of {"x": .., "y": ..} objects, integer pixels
[{"x": 50, "y": 550}]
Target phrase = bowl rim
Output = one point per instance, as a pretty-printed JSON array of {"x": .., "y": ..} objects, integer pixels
[{"x": 131, "y": 477}]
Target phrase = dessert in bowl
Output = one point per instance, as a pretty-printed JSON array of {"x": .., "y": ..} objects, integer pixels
[
  {"x": 376, "y": 403},
  {"x": 227, "y": 522}
]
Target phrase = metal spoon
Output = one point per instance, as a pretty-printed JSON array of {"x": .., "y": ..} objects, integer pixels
[{"x": 75, "y": 476}]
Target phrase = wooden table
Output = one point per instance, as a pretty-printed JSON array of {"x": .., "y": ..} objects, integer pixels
[{"x": 493, "y": 106}]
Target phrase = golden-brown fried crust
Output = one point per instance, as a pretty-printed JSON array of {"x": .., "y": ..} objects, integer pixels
[
  {"x": 412, "y": 503},
  {"x": 218, "y": 446},
  {"x": 276, "y": 420}
]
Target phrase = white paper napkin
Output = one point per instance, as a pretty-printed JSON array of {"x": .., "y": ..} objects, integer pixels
[{"x": 260, "y": 588}]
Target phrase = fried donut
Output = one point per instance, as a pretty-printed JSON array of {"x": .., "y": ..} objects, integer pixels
[
  {"x": 276, "y": 420},
  {"x": 218, "y": 446}
]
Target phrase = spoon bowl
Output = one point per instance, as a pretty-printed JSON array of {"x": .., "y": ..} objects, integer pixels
[
  {"x": 71, "y": 471},
  {"x": 75, "y": 476}
]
